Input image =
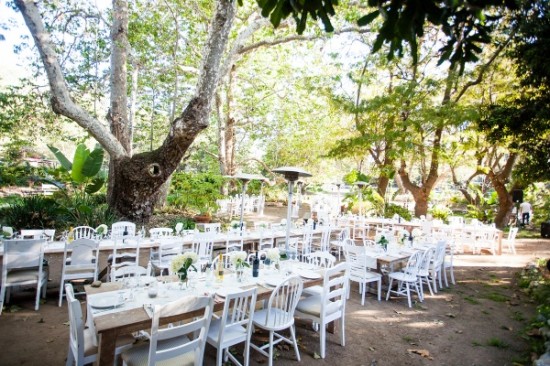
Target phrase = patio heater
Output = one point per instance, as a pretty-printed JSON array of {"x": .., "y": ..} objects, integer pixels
[
  {"x": 291, "y": 175},
  {"x": 360, "y": 184},
  {"x": 245, "y": 178}
]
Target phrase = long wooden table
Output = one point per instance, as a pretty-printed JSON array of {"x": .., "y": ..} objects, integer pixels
[{"x": 112, "y": 325}]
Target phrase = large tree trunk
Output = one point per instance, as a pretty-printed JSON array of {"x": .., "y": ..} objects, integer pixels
[
  {"x": 135, "y": 180},
  {"x": 499, "y": 180}
]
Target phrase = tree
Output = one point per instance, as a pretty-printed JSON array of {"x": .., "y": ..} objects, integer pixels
[{"x": 135, "y": 179}]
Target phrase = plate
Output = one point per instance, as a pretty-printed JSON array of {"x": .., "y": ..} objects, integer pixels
[
  {"x": 305, "y": 273},
  {"x": 273, "y": 280},
  {"x": 105, "y": 301},
  {"x": 224, "y": 291}
]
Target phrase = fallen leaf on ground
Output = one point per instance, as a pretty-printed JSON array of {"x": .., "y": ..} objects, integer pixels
[
  {"x": 451, "y": 315},
  {"x": 371, "y": 349},
  {"x": 398, "y": 312},
  {"x": 422, "y": 352},
  {"x": 459, "y": 331},
  {"x": 449, "y": 299},
  {"x": 316, "y": 355}
]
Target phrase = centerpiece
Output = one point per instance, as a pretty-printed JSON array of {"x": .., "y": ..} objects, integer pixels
[
  {"x": 182, "y": 264},
  {"x": 101, "y": 231},
  {"x": 238, "y": 259},
  {"x": 273, "y": 255},
  {"x": 381, "y": 240}
]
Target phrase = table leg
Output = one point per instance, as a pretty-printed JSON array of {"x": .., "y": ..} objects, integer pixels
[{"x": 107, "y": 346}]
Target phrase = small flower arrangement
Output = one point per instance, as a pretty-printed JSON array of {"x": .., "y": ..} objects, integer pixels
[
  {"x": 183, "y": 263},
  {"x": 101, "y": 230},
  {"x": 235, "y": 224},
  {"x": 238, "y": 259},
  {"x": 381, "y": 240},
  {"x": 404, "y": 236},
  {"x": 273, "y": 254}
]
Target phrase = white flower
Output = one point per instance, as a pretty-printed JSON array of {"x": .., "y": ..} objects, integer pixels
[
  {"x": 179, "y": 227},
  {"x": 416, "y": 232},
  {"x": 377, "y": 237},
  {"x": 237, "y": 257},
  {"x": 273, "y": 254},
  {"x": 101, "y": 229},
  {"x": 180, "y": 260}
]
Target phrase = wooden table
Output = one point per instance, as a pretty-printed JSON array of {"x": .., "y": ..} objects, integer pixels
[{"x": 110, "y": 326}]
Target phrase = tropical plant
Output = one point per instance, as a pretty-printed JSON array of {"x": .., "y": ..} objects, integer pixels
[
  {"x": 85, "y": 167},
  {"x": 392, "y": 209}
]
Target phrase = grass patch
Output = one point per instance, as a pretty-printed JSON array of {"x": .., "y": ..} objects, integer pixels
[
  {"x": 496, "y": 297},
  {"x": 518, "y": 316},
  {"x": 498, "y": 343},
  {"x": 476, "y": 344},
  {"x": 471, "y": 300},
  {"x": 408, "y": 339}
]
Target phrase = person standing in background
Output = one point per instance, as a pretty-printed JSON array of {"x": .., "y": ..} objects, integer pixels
[{"x": 525, "y": 209}]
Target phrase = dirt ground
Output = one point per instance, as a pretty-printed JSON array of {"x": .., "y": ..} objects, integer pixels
[{"x": 478, "y": 321}]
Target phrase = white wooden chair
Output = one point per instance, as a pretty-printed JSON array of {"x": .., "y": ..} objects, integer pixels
[
  {"x": 279, "y": 315},
  {"x": 234, "y": 326},
  {"x": 406, "y": 278},
  {"x": 82, "y": 263},
  {"x": 330, "y": 305},
  {"x": 337, "y": 244},
  {"x": 511, "y": 240},
  {"x": 160, "y": 232},
  {"x": 203, "y": 245},
  {"x": 425, "y": 270},
  {"x": 182, "y": 343},
  {"x": 168, "y": 249},
  {"x": 82, "y": 340},
  {"x": 85, "y": 232},
  {"x": 118, "y": 229},
  {"x": 360, "y": 269},
  {"x": 22, "y": 265}
]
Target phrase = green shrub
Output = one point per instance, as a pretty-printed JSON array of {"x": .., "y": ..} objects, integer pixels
[
  {"x": 195, "y": 191},
  {"x": 440, "y": 212},
  {"x": 392, "y": 209},
  {"x": 35, "y": 212}
]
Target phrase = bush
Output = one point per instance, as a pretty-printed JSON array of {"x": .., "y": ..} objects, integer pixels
[
  {"x": 35, "y": 212},
  {"x": 195, "y": 191},
  {"x": 440, "y": 212},
  {"x": 392, "y": 209}
]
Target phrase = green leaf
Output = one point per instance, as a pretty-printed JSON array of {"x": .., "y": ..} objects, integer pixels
[
  {"x": 65, "y": 163},
  {"x": 93, "y": 163},
  {"x": 80, "y": 156},
  {"x": 95, "y": 186}
]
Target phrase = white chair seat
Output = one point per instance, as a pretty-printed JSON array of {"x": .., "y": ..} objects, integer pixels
[
  {"x": 23, "y": 276},
  {"x": 312, "y": 305},
  {"x": 230, "y": 334},
  {"x": 402, "y": 276},
  {"x": 139, "y": 355},
  {"x": 274, "y": 315},
  {"x": 90, "y": 338}
]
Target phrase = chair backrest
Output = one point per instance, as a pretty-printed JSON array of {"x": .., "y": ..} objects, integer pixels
[
  {"x": 76, "y": 326},
  {"x": 83, "y": 252},
  {"x": 234, "y": 243},
  {"x": 169, "y": 247},
  {"x": 326, "y": 231},
  {"x": 126, "y": 251},
  {"x": 85, "y": 232},
  {"x": 119, "y": 274},
  {"x": 203, "y": 245},
  {"x": 118, "y": 229},
  {"x": 321, "y": 259},
  {"x": 359, "y": 262},
  {"x": 344, "y": 234},
  {"x": 23, "y": 253},
  {"x": 283, "y": 300},
  {"x": 335, "y": 283},
  {"x": 439, "y": 255},
  {"x": 426, "y": 259},
  {"x": 196, "y": 329},
  {"x": 238, "y": 310},
  {"x": 47, "y": 234},
  {"x": 160, "y": 232},
  {"x": 413, "y": 264}
]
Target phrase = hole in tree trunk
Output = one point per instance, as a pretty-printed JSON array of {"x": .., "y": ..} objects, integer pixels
[{"x": 154, "y": 170}]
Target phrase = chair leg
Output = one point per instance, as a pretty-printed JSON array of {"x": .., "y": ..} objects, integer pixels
[
  {"x": 38, "y": 290},
  {"x": 379, "y": 288},
  {"x": 389, "y": 289},
  {"x": 408, "y": 294},
  {"x": 452, "y": 275},
  {"x": 322, "y": 338},
  {"x": 61, "y": 293},
  {"x": 362, "y": 289},
  {"x": 294, "y": 343},
  {"x": 2, "y": 295}
]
